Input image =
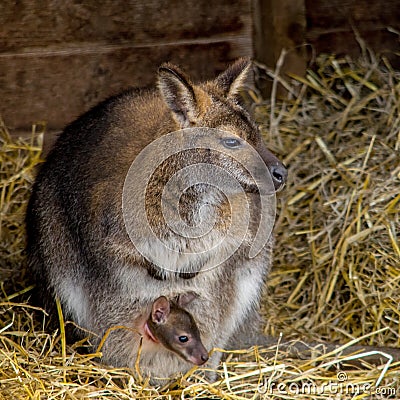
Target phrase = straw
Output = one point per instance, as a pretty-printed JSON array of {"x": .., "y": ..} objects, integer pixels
[{"x": 336, "y": 274}]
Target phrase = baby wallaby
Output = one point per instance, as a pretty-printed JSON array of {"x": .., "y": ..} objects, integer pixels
[{"x": 175, "y": 328}]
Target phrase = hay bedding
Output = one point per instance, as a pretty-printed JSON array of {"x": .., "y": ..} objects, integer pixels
[{"x": 337, "y": 262}]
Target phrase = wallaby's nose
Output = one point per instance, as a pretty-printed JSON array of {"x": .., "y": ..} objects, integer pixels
[
  {"x": 279, "y": 175},
  {"x": 199, "y": 357},
  {"x": 277, "y": 170}
]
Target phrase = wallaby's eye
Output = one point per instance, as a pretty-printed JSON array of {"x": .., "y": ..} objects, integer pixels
[
  {"x": 183, "y": 339},
  {"x": 231, "y": 143}
]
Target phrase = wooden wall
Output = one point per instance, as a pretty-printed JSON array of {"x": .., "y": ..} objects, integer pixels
[
  {"x": 331, "y": 25},
  {"x": 58, "y": 58},
  {"x": 306, "y": 28}
]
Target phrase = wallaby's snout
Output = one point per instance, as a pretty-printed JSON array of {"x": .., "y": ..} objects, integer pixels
[
  {"x": 199, "y": 356},
  {"x": 279, "y": 175},
  {"x": 277, "y": 170}
]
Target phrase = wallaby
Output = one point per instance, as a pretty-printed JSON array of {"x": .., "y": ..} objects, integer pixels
[
  {"x": 80, "y": 246},
  {"x": 173, "y": 327}
]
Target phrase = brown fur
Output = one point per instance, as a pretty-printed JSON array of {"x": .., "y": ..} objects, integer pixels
[{"x": 79, "y": 250}]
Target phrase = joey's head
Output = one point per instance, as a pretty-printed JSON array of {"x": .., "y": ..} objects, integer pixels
[
  {"x": 176, "y": 329},
  {"x": 217, "y": 104}
]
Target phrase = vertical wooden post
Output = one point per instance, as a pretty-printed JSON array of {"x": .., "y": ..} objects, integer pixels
[{"x": 280, "y": 24}]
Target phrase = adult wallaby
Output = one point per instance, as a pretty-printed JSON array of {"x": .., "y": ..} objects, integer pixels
[
  {"x": 175, "y": 329},
  {"x": 89, "y": 241},
  {"x": 79, "y": 247}
]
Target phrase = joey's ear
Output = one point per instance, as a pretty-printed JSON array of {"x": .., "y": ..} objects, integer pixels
[
  {"x": 235, "y": 77},
  {"x": 185, "y": 298},
  {"x": 178, "y": 93},
  {"x": 160, "y": 310}
]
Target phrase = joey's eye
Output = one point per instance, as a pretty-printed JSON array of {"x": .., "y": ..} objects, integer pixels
[
  {"x": 231, "y": 143},
  {"x": 183, "y": 339}
]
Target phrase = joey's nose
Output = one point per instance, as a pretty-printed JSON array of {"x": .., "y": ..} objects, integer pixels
[
  {"x": 279, "y": 175},
  {"x": 204, "y": 357}
]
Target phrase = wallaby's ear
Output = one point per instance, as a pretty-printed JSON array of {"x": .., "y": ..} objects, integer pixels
[
  {"x": 178, "y": 93},
  {"x": 160, "y": 310},
  {"x": 185, "y": 298},
  {"x": 234, "y": 78}
]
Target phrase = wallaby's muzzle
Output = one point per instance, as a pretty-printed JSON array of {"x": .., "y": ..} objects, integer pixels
[
  {"x": 279, "y": 175},
  {"x": 277, "y": 170}
]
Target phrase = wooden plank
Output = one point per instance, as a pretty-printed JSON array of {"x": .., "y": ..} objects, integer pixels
[
  {"x": 59, "y": 58},
  {"x": 27, "y": 24},
  {"x": 58, "y": 86},
  {"x": 338, "y": 15},
  {"x": 382, "y": 42},
  {"x": 331, "y": 27}
]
